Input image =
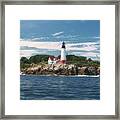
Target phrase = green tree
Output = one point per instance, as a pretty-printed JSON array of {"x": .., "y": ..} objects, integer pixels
[
  {"x": 38, "y": 58},
  {"x": 24, "y": 60}
]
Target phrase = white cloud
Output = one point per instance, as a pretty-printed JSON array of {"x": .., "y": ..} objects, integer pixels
[
  {"x": 41, "y": 45},
  {"x": 92, "y": 55},
  {"x": 96, "y": 37},
  {"x": 90, "y": 48},
  {"x": 27, "y": 53},
  {"x": 36, "y": 39},
  {"x": 58, "y": 33},
  {"x": 87, "y": 54}
]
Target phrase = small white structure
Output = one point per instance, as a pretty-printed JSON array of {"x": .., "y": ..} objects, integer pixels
[
  {"x": 53, "y": 60},
  {"x": 63, "y": 54},
  {"x": 50, "y": 60}
]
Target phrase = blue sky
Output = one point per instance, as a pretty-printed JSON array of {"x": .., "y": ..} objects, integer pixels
[{"x": 82, "y": 37}]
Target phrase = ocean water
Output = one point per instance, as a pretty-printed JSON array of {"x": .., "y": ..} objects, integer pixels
[{"x": 35, "y": 87}]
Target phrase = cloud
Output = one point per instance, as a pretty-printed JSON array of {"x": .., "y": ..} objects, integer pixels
[
  {"x": 93, "y": 55},
  {"x": 87, "y": 54},
  {"x": 41, "y": 45},
  {"x": 96, "y": 37},
  {"x": 36, "y": 39},
  {"x": 27, "y": 53},
  {"x": 88, "y": 46},
  {"x": 88, "y": 49},
  {"x": 58, "y": 33}
]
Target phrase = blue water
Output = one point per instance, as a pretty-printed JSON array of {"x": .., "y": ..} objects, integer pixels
[{"x": 33, "y": 87}]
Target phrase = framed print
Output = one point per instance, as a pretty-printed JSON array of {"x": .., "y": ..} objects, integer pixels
[{"x": 60, "y": 60}]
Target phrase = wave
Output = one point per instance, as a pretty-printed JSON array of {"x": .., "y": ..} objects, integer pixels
[
  {"x": 62, "y": 75},
  {"x": 88, "y": 75}
]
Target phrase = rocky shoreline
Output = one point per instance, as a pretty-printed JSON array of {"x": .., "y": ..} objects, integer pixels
[{"x": 61, "y": 69}]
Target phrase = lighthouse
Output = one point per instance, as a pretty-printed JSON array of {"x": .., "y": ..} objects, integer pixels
[{"x": 63, "y": 53}]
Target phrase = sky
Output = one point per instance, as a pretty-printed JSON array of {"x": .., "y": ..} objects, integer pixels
[{"x": 82, "y": 37}]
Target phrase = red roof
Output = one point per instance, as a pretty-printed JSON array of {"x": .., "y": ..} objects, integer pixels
[{"x": 52, "y": 58}]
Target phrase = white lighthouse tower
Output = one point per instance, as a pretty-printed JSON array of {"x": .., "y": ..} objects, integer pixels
[{"x": 63, "y": 54}]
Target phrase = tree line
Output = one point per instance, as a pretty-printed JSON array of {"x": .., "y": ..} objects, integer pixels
[{"x": 71, "y": 59}]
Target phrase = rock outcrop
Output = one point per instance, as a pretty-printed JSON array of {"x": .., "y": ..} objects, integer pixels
[{"x": 61, "y": 69}]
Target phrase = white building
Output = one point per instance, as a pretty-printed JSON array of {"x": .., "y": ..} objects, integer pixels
[
  {"x": 63, "y": 54},
  {"x": 50, "y": 60},
  {"x": 53, "y": 60},
  {"x": 62, "y": 60}
]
